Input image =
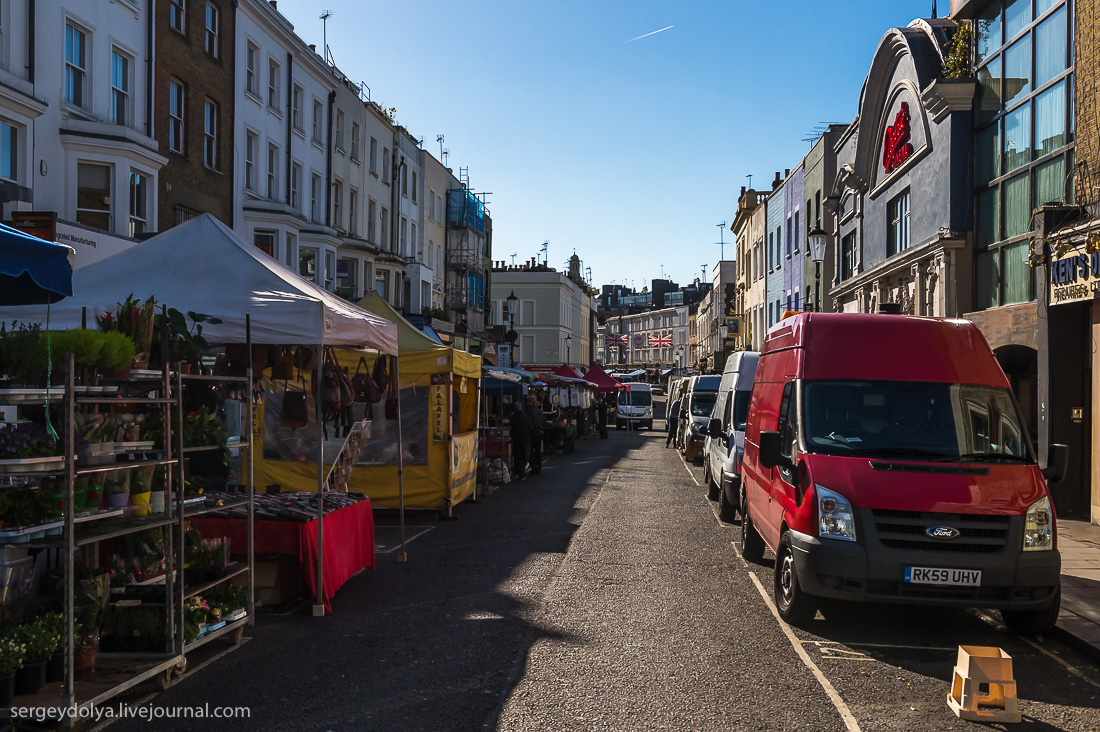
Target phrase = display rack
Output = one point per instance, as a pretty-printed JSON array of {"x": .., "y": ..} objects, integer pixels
[{"x": 118, "y": 672}]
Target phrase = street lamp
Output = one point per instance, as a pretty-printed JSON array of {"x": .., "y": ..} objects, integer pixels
[
  {"x": 512, "y": 302},
  {"x": 817, "y": 239},
  {"x": 568, "y": 345}
]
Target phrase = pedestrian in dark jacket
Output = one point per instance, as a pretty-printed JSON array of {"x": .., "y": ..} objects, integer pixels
[
  {"x": 601, "y": 416},
  {"x": 521, "y": 439},
  {"x": 538, "y": 429},
  {"x": 671, "y": 419}
]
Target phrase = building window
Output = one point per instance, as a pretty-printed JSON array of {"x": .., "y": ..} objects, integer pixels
[
  {"x": 1023, "y": 135},
  {"x": 404, "y": 173},
  {"x": 353, "y": 212},
  {"x": 384, "y": 229},
  {"x": 337, "y": 197},
  {"x": 315, "y": 199},
  {"x": 139, "y": 203},
  {"x": 177, "y": 15},
  {"x": 372, "y": 211},
  {"x": 251, "y": 143},
  {"x": 404, "y": 243},
  {"x": 795, "y": 234},
  {"x": 210, "y": 135},
  {"x": 414, "y": 243},
  {"x": 273, "y": 85},
  {"x": 290, "y": 250},
  {"x": 414, "y": 187},
  {"x": 318, "y": 114},
  {"x": 386, "y": 164},
  {"x": 211, "y": 32},
  {"x": 373, "y": 156},
  {"x": 431, "y": 204},
  {"x": 296, "y": 109},
  {"x": 250, "y": 83},
  {"x": 296, "y": 186},
  {"x": 307, "y": 263},
  {"x": 272, "y": 173},
  {"x": 355, "y": 141},
  {"x": 176, "y": 101},
  {"x": 897, "y": 212},
  {"x": 75, "y": 65},
  {"x": 264, "y": 241},
  {"x": 848, "y": 257},
  {"x": 340, "y": 130},
  {"x": 9, "y": 152},
  {"x": 93, "y": 195},
  {"x": 120, "y": 88}
]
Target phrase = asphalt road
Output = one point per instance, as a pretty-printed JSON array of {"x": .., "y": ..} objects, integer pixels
[{"x": 604, "y": 594}]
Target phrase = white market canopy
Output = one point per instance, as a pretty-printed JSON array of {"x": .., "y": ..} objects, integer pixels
[{"x": 202, "y": 266}]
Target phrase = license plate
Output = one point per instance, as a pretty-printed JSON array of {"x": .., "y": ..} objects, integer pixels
[{"x": 933, "y": 576}]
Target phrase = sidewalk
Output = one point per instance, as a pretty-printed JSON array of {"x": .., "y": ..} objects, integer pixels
[{"x": 1079, "y": 622}]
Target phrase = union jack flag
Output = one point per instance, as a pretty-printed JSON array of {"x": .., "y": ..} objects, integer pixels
[
  {"x": 661, "y": 340},
  {"x": 613, "y": 339}
]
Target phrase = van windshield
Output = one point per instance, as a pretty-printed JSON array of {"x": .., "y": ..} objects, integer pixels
[
  {"x": 702, "y": 403},
  {"x": 741, "y": 410},
  {"x": 941, "y": 422},
  {"x": 635, "y": 399}
]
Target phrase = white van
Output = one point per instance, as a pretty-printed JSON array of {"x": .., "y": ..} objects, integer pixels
[
  {"x": 634, "y": 407},
  {"x": 725, "y": 444}
]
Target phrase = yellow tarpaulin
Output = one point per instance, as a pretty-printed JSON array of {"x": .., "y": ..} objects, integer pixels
[{"x": 440, "y": 459}]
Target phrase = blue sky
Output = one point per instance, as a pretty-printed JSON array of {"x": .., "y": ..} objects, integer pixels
[{"x": 628, "y": 152}]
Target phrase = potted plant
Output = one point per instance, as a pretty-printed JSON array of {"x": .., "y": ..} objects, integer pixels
[
  {"x": 27, "y": 446},
  {"x": 134, "y": 319},
  {"x": 117, "y": 354},
  {"x": 85, "y": 646},
  {"x": 54, "y": 624},
  {"x": 195, "y": 611},
  {"x": 85, "y": 345},
  {"x": 12, "y": 653},
  {"x": 141, "y": 483},
  {"x": 40, "y": 645},
  {"x": 22, "y": 354},
  {"x": 117, "y": 487},
  {"x": 202, "y": 429}
]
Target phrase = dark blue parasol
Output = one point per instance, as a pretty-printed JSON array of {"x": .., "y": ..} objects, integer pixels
[{"x": 33, "y": 271}]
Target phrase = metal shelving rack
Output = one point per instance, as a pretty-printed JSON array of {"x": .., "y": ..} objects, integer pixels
[{"x": 118, "y": 672}]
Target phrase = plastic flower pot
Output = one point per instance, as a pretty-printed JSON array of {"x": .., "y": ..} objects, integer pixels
[
  {"x": 84, "y": 657},
  {"x": 117, "y": 487},
  {"x": 31, "y": 678}
]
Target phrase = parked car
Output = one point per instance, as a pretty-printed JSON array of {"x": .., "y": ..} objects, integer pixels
[
  {"x": 634, "y": 407},
  {"x": 657, "y": 390},
  {"x": 702, "y": 391},
  {"x": 886, "y": 460},
  {"x": 725, "y": 444}
]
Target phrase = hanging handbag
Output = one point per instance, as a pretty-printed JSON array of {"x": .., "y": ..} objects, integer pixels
[
  {"x": 295, "y": 410},
  {"x": 391, "y": 400},
  {"x": 363, "y": 386},
  {"x": 379, "y": 374}
]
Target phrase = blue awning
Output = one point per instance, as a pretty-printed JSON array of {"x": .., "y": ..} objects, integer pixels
[{"x": 33, "y": 271}]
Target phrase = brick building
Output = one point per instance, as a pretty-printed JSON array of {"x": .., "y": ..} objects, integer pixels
[{"x": 193, "y": 111}]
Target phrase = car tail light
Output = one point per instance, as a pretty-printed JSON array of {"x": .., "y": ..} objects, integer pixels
[{"x": 738, "y": 457}]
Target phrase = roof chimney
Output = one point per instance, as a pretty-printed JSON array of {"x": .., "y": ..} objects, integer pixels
[
  {"x": 787, "y": 173},
  {"x": 274, "y": 4},
  {"x": 742, "y": 190},
  {"x": 313, "y": 47},
  {"x": 777, "y": 181}
]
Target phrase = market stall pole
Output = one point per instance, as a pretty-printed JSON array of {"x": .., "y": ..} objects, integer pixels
[
  {"x": 402, "y": 557},
  {"x": 318, "y": 596}
]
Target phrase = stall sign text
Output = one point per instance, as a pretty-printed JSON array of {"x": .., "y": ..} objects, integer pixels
[{"x": 1075, "y": 277}]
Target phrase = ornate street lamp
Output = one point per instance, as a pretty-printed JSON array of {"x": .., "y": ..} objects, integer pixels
[
  {"x": 512, "y": 302},
  {"x": 568, "y": 345},
  {"x": 818, "y": 240}
]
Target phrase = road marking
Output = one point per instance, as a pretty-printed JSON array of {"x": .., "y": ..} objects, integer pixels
[
  {"x": 830, "y": 691},
  {"x": 687, "y": 468},
  {"x": 1072, "y": 669},
  {"x": 381, "y": 548},
  {"x": 892, "y": 645}
]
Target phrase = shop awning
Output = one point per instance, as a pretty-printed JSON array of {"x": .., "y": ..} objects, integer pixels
[
  {"x": 515, "y": 375},
  {"x": 33, "y": 271},
  {"x": 603, "y": 382}
]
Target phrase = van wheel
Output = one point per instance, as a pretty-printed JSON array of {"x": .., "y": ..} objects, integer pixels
[
  {"x": 794, "y": 605},
  {"x": 752, "y": 546},
  {"x": 1035, "y": 622},
  {"x": 712, "y": 489},
  {"x": 726, "y": 510}
]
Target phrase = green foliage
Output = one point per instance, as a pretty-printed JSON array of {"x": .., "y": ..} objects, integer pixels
[
  {"x": 116, "y": 352},
  {"x": 437, "y": 313},
  {"x": 12, "y": 653},
  {"x": 85, "y": 345},
  {"x": 27, "y": 507},
  {"x": 133, "y": 318},
  {"x": 202, "y": 429},
  {"x": 956, "y": 61},
  {"x": 39, "y": 641},
  {"x": 22, "y": 353}
]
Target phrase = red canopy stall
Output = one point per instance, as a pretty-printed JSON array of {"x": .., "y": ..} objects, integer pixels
[{"x": 600, "y": 378}]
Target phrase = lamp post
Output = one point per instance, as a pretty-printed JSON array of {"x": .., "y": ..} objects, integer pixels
[
  {"x": 568, "y": 346},
  {"x": 512, "y": 336},
  {"x": 817, "y": 239}
]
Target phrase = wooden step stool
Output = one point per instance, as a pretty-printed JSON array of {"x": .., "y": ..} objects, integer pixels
[{"x": 979, "y": 666}]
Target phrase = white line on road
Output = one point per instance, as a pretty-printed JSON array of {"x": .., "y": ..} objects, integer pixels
[
  {"x": 891, "y": 645},
  {"x": 381, "y": 548},
  {"x": 830, "y": 690},
  {"x": 1072, "y": 669},
  {"x": 686, "y": 467}
]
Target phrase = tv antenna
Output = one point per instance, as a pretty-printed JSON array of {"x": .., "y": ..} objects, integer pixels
[
  {"x": 546, "y": 252},
  {"x": 513, "y": 259},
  {"x": 722, "y": 239},
  {"x": 439, "y": 139},
  {"x": 325, "y": 15},
  {"x": 749, "y": 176}
]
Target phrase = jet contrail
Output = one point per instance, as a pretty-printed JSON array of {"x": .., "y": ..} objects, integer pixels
[{"x": 653, "y": 33}]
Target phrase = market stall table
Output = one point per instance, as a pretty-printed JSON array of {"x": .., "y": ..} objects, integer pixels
[{"x": 348, "y": 547}]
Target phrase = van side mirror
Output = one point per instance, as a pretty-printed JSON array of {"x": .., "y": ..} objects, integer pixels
[
  {"x": 714, "y": 427},
  {"x": 1057, "y": 463},
  {"x": 770, "y": 449}
]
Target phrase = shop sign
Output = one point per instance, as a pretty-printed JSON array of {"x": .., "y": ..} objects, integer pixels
[
  {"x": 1075, "y": 277},
  {"x": 438, "y": 408},
  {"x": 91, "y": 245},
  {"x": 897, "y": 148},
  {"x": 639, "y": 340},
  {"x": 42, "y": 224},
  {"x": 504, "y": 355}
]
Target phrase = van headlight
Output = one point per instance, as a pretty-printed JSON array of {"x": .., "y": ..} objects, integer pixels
[
  {"x": 834, "y": 515},
  {"x": 648, "y": 412},
  {"x": 1038, "y": 527}
]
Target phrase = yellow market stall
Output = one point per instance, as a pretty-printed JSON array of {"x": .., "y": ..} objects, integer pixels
[{"x": 437, "y": 430}]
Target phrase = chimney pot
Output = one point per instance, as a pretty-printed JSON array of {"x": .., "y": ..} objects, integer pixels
[
  {"x": 787, "y": 173},
  {"x": 274, "y": 4},
  {"x": 742, "y": 190},
  {"x": 313, "y": 47}
]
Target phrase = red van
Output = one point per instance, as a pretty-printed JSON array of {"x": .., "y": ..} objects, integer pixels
[{"x": 886, "y": 461}]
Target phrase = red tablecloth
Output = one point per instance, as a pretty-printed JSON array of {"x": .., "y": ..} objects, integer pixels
[{"x": 348, "y": 543}]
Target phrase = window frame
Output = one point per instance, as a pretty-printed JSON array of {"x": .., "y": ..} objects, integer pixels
[
  {"x": 251, "y": 147},
  {"x": 109, "y": 211},
  {"x": 9, "y": 140},
  {"x": 177, "y": 16},
  {"x": 177, "y": 121},
  {"x": 251, "y": 78},
  {"x": 272, "y": 188},
  {"x": 120, "y": 96},
  {"x": 899, "y": 232},
  {"x": 273, "y": 76},
  {"x": 139, "y": 204},
  {"x": 211, "y": 114},
  {"x": 211, "y": 30},
  {"x": 76, "y": 74}
]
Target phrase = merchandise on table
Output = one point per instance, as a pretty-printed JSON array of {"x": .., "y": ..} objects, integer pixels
[{"x": 301, "y": 507}]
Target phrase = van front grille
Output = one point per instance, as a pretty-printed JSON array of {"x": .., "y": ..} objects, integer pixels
[{"x": 978, "y": 533}]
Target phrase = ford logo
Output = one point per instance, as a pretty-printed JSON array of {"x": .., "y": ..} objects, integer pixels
[{"x": 942, "y": 532}]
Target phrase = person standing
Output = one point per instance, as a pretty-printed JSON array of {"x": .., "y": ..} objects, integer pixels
[
  {"x": 521, "y": 439},
  {"x": 538, "y": 430},
  {"x": 671, "y": 420},
  {"x": 601, "y": 416}
]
